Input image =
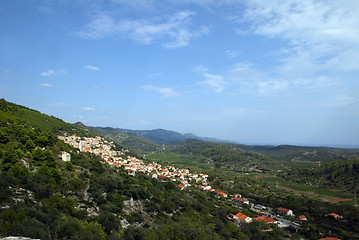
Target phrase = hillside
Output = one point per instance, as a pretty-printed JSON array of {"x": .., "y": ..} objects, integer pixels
[
  {"x": 304, "y": 154},
  {"x": 47, "y": 198},
  {"x": 225, "y": 155},
  {"x": 159, "y": 136},
  {"x": 336, "y": 175},
  {"x": 43, "y": 196},
  {"x": 40, "y": 120},
  {"x": 136, "y": 144},
  {"x": 237, "y": 155}
]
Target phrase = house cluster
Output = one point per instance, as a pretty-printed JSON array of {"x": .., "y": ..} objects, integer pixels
[
  {"x": 97, "y": 145},
  {"x": 100, "y": 146},
  {"x": 269, "y": 219}
]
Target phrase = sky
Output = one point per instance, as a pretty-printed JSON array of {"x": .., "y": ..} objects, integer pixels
[{"x": 251, "y": 71}]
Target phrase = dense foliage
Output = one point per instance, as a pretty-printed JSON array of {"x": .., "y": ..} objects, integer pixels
[
  {"x": 304, "y": 154},
  {"x": 337, "y": 175},
  {"x": 225, "y": 155},
  {"x": 40, "y": 120}
]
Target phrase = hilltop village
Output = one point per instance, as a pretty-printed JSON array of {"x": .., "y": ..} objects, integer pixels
[{"x": 184, "y": 177}]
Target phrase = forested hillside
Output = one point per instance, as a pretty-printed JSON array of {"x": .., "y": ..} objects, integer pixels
[
  {"x": 304, "y": 154},
  {"x": 342, "y": 175},
  {"x": 38, "y": 120},
  {"x": 42, "y": 196},
  {"x": 225, "y": 155}
]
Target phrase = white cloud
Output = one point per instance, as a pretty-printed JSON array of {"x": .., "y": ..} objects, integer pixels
[
  {"x": 171, "y": 32},
  {"x": 45, "y": 85},
  {"x": 88, "y": 109},
  {"x": 154, "y": 75},
  {"x": 214, "y": 82},
  {"x": 319, "y": 41},
  {"x": 164, "y": 92},
  {"x": 199, "y": 69},
  {"x": 246, "y": 78},
  {"x": 92, "y": 68},
  {"x": 319, "y": 33},
  {"x": 232, "y": 54},
  {"x": 49, "y": 73}
]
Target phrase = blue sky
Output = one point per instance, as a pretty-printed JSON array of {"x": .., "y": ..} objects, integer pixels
[{"x": 252, "y": 71}]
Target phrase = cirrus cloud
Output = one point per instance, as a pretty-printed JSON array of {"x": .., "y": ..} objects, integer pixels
[
  {"x": 92, "y": 68},
  {"x": 164, "y": 92},
  {"x": 173, "y": 31},
  {"x": 45, "y": 85},
  {"x": 88, "y": 109},
  {"x": 49, "y": 73}
]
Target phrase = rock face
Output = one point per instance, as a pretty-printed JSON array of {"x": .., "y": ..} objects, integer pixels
[{"x": 131, "y": 206}]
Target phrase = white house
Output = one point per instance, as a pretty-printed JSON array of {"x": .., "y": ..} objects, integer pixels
[
  {"x": 66, "y": 157},
  {"x": 285, "y": 211}
]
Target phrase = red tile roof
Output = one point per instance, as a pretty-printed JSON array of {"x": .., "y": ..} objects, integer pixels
[
  {"x": 334, "y": 215},
  {"x": 241, "y": 216},
  {"x": 265, "y": 219},
  {"x": 240, "y": 199},
  {"x": 283, "y": 209}
]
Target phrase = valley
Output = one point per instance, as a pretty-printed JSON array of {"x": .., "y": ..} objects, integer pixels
[{"x": 64, "y": 181}]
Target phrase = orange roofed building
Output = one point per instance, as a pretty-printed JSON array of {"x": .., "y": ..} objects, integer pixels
[
  {"x": 334, "y": 215},
  {"x": 285, "y": 211},
  {"x": 220, "y": 193},
  {"x": 241, "y": 217},
  {"x": 265, "y": 219}
]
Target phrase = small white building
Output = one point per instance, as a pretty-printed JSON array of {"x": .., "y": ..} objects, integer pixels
[
  {"x": 285, "y": 211},
  {"x": 66, "y": 157}
]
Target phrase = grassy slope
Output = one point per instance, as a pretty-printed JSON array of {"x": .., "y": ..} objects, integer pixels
[{"x": 322, "y": 193}]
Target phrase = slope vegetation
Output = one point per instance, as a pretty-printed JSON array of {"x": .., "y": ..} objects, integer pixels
[{"x": 336, "y": 175}]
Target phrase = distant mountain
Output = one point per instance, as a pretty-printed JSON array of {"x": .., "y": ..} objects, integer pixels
[
  {"x": 134, "y": 143},
  {"x": 158, "y": 136},
  {"x": 145, "y": 141}
]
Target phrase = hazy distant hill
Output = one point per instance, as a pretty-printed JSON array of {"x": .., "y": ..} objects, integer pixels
[
  {"x": 304, "y": 154},
  {"x": 145, "y": 141},
  {"x": 159, "y": 136},
  {"x": 136, "y": 144}
]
